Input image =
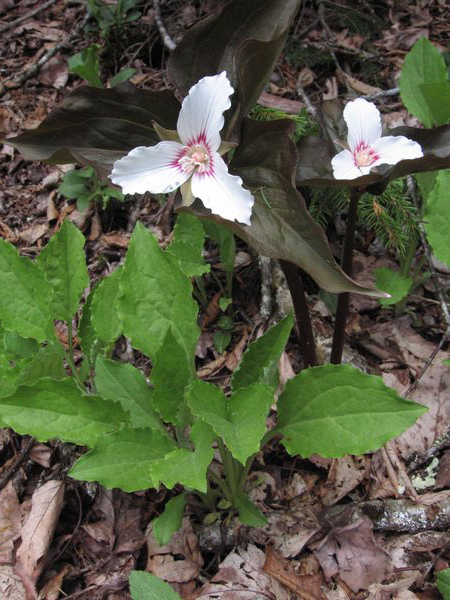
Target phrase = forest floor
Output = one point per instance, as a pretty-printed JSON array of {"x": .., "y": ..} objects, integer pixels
[{"x": 372, "y": 526}]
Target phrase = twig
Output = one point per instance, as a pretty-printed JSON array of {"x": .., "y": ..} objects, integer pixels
[
  {"x": 390, "y": 471},
  {"x": 20, "y": 458},
  {"x": 265, "y": 308},
  {"x": 26, "y": 16},
  {"x": 329, "y": 37},
  {"x": 382, "y": 94},
  {"x": 304, "y": 96},
  {"x": 167, "y": 40},
  {"x": 400, "y": 467}
]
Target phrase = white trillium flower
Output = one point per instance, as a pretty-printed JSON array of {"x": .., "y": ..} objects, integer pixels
[
  {"x": 367, "y": 149},
  {"x": 190, "y": 157}
]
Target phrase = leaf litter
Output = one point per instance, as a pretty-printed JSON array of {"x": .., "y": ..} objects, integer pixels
[{"x": 86, "y": 542}]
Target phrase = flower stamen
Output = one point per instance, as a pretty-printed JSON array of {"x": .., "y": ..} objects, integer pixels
[
  {"x": 364, "y": 155},
  {"x": 196, "y": 157}
]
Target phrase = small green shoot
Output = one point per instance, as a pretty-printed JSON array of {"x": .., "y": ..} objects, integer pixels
[{"x": 84, "y": 186}]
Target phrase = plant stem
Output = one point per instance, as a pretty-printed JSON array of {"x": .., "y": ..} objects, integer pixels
[
  {"x": 229, "y": 468},
  {"x": 305, "y": 332},
  {"x": 347, "y": 267},
  {"x": 70, "y": 356}
]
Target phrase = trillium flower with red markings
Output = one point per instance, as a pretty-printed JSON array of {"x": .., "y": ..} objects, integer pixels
[
  {"x": 190, "y": 157},
  {"x": 366, "y": 147}
]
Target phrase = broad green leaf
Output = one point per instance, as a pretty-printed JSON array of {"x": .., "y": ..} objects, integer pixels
[
  {"x": 76, "y": 183},
  {"x": 423, "y": 64},
  {"x": 259, "y": 362},
  {"x": 221, "y": 340},
  {"x": 47, "y": 362},
  {"x": 315, "y": 154},
  {"x": 239, "y": 420},
  {"x": 25, "y": 296},
  {"x": 187, "y": 245},
  {"x": 426, "y": 182},
  {"x": 281, "y": 225},
  {"x": 16, "y": 353},
  {"x": 85, "y": 64},
  {"x": 244, "y": 39},
  {"x": 99, "y": 126},
  {"x": 144, "y": 586},
  {"x": 171, "y": 375},
  {"x": 437, "y": 98},
  {"x": 156, "y": 296},
  {"x": 122, "y": 76},
  {"x": 394, "y": 283},
  {"x": 104, "y": 309},
  {"x": 437, "y": 217},
  {"x": 185, "y": 466},
  {"x": 64, "y": 265},
  {"x": 225, "y": 240},
  {"x": 443, "y": 583},
  {"x": 170, "y": 520},
  {"x": 121, "y": 382},
  {"x": 86, "y": 334},
  {"x": 249, "y": 513},
  {"x": 336, "y": 409},
  {"x": 58, "y": 409},
  {"x": 19, "y": 347},
  {"x": 123, "y": 459}
]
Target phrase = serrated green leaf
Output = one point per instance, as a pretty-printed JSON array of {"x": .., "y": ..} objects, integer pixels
[
  {"x": 443, "y": 583},
  {"x": 171, "y": 375},
  {"x": 187, "y": 245},
  {"x": 259, "y": 362},
  {"x": 423, "y": 64},
  {"x": 104, "y": 308},
  {"x": 123, "y": 459},
  {"x": 121, "y": 382},
  {"x": 58, "y": 409},
  {"x": 47, "y": 362},
  {"x": 249, "y": 513},
  {"x": 394, "y": 283},
  {"x": 156, "y": 296},
  {"x": 64, "y": 265},
  {"x": 239, "y": 420},
  {"x": 184, "y": 466},
  {"x": 336, "y": 409},
  {"x": 144, "y": 586},
  {"x": 437, "y": 217},
  {"x": 170, "y": 520},
  {"x": 24, "y": 297}
]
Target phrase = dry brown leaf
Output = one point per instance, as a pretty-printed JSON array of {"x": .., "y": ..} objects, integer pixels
[
  {"x": 119, "y": 240},
  {"x": 10, "y": 522},
  {"x": 331, "y": 87},
  {"x": 52, "y": 589},
  {"x": 350, "y": 551},
  {"x": 41, "y": 454},
  {"x": 360, "y": 86},
  {"x": 33, "y": 233},
  {"x": 234, "y": 357},
  {"x": 212, "y": 311},
  {"x": 307, "y": 587},
  {"x": 344, "y": 475},
  {"x": 241, "y": 577},
  {"x": 163, "y": 561},
  {"x": 55, "y": 72},
  {"x": 38, "y": 529},
  {"x": 306, "y": 77},
  {"x": 11, "y": 587}
]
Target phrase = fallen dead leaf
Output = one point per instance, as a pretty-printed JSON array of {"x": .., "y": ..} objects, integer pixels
[
  {"x": 307, "y": 587},
  {"x": 37, "y": 532},
  {"x": 55, "y": 72},
  {"x": 32, "y": 234},
  {"x": 234, "y": 357},
  {"x": 11, "y": 587},
  {"x": 344, "y": 475},
  {"x": 360, "y": 86},
  {"x": 52, "y": 589},
  {"x": 10, "y": 522}
]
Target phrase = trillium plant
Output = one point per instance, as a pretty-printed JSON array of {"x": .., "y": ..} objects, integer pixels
[{"x": 169, "y": 426}]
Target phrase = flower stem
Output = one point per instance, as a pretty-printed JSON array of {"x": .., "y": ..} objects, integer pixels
[
  {"x": 347, "y": 267},
  {"x": 302, "y": 316}
]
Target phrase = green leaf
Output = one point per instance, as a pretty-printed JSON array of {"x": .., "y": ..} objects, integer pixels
[
  {"x": 443, "y": 583},
  {"x": 75, "y": 184},
  {"x": 58, "y": 409},
  {"x": 99, "y": 126},
  {"x": 266, "y": 160},
  {"x": 85, "y": 64},
  {"x": 426, "y": 182},
  {"x": 437, "y": 98},
  {"x": 187, "y": 245},
  {"x": 19, "y": 347},
  {"x": 239, "y": 420},
  {"x": 394, "y": 283},
  {"x": 244, "y": 39},
  {"x": 156, "y": 296},
  {"x": 259, "y": 362},
  {"x": 64, "y": 265},
  {"x": 144, "y": 586},
  {"x": 121, "y": 382},
  {"x": 123, "y": 459},
  {"x": 221, "y": 340},
  {"x": 437, "y": 217},
  {"x": 170, "y": 520},
  {"x": 24, "y": 298},
  {"x": 249, "y": 513},
  {"x": 171, "y": 375},
  {"x": 48, "y": 362},
  {"x": 86, "y": 333},
  {"x": 122, "y": 76},
  {"x": 104, "y": 309},
  {"x": 423, "y": 65},
  {"x": 225, "y": 241},
  {"x": 185, "y": 466},
  {"x": 336, "y": 409}
]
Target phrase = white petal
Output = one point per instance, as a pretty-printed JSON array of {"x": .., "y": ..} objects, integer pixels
[
  {"x": 223, "y": 193},
  {"x": 201, "y": 115},
  {"x": 152, "y": 169},
  {"x": 394, "y": 148},
  {"x": 363, "y": 122},
  {"x": 344, "y": 166}
]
